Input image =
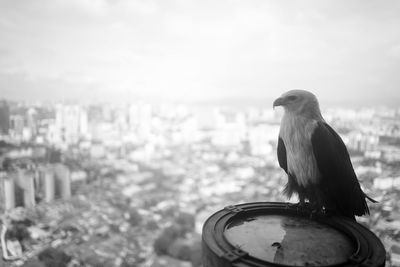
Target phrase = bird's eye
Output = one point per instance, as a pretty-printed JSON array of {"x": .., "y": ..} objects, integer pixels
[{"x": 292, "y": 98}]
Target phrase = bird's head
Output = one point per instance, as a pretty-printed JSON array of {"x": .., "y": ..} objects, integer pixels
[{"x": 299, "y": 102}]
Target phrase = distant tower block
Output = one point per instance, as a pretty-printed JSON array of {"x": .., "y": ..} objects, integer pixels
[
  {"x": 47, "y": 176},
  {"x": 63, "y": 177},
  {"x": 9, "y": 193},
  {"x": 18, "y": 187},
  {"x": 29, "y": 189}
]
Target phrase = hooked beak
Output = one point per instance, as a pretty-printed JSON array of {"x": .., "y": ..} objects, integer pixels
[{"x": 279, "y": 102}]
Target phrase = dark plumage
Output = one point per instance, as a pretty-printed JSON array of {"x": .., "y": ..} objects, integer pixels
[{"x": 316, "y": 159}]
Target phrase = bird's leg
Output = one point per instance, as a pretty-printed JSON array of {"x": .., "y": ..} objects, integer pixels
[
  {"x": 324, "y": 210},
  {"x": 317, "y": 206},
  {"x": 301, "y": 204}
]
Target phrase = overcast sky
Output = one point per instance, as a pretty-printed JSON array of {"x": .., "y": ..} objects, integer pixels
[{"x": 199, "y": 50}]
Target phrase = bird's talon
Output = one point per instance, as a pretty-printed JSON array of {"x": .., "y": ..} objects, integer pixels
[{"x": 299, "y": 207}]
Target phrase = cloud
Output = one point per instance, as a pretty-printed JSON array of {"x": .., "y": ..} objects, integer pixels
[{"x": 199, "y": 49}]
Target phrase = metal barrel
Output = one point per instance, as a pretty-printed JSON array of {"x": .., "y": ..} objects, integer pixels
[{"x": 281, "y": 234}]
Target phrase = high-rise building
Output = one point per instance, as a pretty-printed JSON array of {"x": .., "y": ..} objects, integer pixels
[
  {"x": 17, "y": 124},
  {"x": 71, "y": 123},
  {"x": 24, "y": 188},
  {"x": 230, "y": 128},
  {"x": 4, "y": 117},
  {"x": 7, "y": 192},
  {"x": 62, "y": 181},
  {"x": 32, "y": 121},
  {"x": 29, "y": 188},
  {"x": 46, "y": 186},
  {"x": 140, "y": 120}
]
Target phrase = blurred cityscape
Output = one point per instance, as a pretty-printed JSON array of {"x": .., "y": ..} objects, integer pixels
[{"x": 131, "y": 185}]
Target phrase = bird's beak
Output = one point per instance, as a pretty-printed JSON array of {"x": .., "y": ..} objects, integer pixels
[{"x": 279, "y": 102}]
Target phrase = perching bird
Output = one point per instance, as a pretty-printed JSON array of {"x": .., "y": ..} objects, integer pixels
[{"x": 315, "y": 158}]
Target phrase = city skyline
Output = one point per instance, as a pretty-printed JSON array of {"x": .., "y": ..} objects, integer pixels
[
  {"x": 199, "y": 51},
  {"x": 77, "y": 172}
]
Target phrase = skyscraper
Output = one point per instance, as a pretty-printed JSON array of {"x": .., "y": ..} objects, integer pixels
[
  {"x": 71, "y": 122},
  {"x": 4, "y": 117}
]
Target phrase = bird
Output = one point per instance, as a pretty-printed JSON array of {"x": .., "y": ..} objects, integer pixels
[{"x": 316, "y": 160}]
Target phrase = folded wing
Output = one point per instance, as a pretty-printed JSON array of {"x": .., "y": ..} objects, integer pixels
[{"x": 339, "y": 182}]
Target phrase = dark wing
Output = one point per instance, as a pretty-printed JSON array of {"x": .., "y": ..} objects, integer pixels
[
  {"x": 338, "y": 181},
  {"x": 282, "y": 154},
  {"x": 291, "y": 185}
]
